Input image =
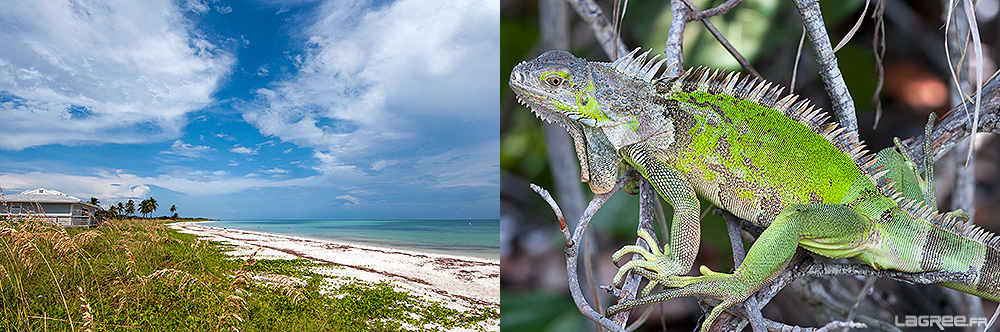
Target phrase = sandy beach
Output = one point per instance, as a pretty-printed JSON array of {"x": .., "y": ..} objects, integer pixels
[{"x": 460, "y": 282}]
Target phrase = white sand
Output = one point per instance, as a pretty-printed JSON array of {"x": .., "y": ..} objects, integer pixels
[{"x": 460, "y": 282}]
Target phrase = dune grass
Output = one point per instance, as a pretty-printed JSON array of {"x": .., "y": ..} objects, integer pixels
[{"x": 138, "y": 275}]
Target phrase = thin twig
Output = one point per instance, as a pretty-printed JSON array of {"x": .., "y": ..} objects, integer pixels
[
  {"x": 816, "y": 295},
  {"x": 798, "y": 55},
  {"x": 869, "y": 284},
  {"x": 591, "y": 13},
  {"x": 878, "y": 45},
  {"x": 854, "y": 29},
  {"x": 970, "y": 18},
  {"x": 573, "y": 251},
  {"x": 780, "y": 327},
  {"x": 722, "y": 9},
  {"x": 715, "y": 11},
  {"x": 555, "y": 208}
]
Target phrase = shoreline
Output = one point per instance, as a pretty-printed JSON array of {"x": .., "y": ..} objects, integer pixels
[
  {"x": 362, "y": 243},
  {"x": 463, "y": 281}
]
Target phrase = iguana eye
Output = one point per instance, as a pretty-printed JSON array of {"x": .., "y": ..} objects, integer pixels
[{"x": 554, "y": 80}]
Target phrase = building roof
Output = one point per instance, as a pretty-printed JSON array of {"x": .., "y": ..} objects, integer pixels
[{"x": 42, "y": 195}]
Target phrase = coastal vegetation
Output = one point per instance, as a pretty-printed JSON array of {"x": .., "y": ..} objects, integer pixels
[
  {"x": 127, "y": 210},
  {"x": 139, "y": 275}
]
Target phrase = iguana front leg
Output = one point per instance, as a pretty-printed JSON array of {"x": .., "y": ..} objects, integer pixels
[
  {"x": 832, "y": 229},
  {"x": 685, "y": 233}
]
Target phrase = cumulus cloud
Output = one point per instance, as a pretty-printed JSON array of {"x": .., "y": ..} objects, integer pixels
[
  {"x": 187, "y": 150},
  {"x": 374, "y": 77},
  {"x": 120, "y": 72}
]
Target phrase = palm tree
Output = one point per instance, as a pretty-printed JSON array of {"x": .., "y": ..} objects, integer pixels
[
  {"x": 173, "y": 209},
  {"x": 144, "y": 207},
  {"x": 120, "y": 209},
  {"x": 130, "y": 208},
  {"x": 114, "y": 210},
  {"x": 152, "y": 205},
  {"x": 100, "y": 213}
]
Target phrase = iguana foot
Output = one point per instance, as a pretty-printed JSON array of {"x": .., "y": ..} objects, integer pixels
[
  {"x": 724, "y": 286},
  {"x": 661, "y": 262}
]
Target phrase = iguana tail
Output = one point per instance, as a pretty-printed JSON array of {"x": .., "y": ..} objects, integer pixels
[
  {"x": 936, "y": 241},
  {"x": 977, "y": 250}
]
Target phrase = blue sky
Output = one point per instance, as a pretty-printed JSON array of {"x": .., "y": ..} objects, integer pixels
[{"x": 255, "y": 109}]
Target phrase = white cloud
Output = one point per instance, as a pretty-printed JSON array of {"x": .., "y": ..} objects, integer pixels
[
  {"x": 382, "y": 164},
  {"x": 276, "y": 171},
  {"x": 350, "y": 199},
  {"x": 372, "y": 76},
  {"x": 473, "y": 166},
  {"x": 107, "y": 187},
  {"x": 121, "y": 71},
  {"x": 118, "y": 185},
  {"x": 187, "y": 150},
  {"x": 225, "y": 137},
  {"x": 243, "y": 150}
]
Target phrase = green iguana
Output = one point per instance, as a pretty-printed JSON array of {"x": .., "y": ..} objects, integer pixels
[{"x": 765, "y": 158}]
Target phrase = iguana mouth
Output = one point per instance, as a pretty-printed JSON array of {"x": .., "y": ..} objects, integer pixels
[
  {"x": 541, "y": 104},
  {"x": 544, "y": 111},
  {"x": 546, "y": 114}
]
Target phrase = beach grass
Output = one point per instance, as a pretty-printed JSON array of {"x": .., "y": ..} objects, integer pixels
[{"x": 139, "y": 275}]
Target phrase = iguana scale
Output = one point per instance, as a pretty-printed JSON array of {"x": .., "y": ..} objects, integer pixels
[{"x": 769, "y": 159}]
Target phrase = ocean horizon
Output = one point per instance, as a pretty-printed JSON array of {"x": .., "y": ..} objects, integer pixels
[{"x": 464, "y": 237}]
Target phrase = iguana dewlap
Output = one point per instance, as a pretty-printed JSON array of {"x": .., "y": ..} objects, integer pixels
[{"x": 766, "y": 158}]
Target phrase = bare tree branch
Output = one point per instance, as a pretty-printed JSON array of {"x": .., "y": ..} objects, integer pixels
[
  {"x": 826, "y": 62},
  {"x": 631, "y": 285},
  {"x": 752, "y": 306},
  {"x": 718, "y": 10},
  {"x": 674, "y": 45},
  {"x": 955, "y": 127},
  {"x": 775, "y": 326},
  {"x": 603, "y": 29},
  {"x": 573, "y": 249}
]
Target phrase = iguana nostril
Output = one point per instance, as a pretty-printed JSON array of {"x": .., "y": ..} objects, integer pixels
[{"x": 515, "y": 76}]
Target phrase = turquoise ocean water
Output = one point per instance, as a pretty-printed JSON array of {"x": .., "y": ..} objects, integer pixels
[{"x": 475, "y": 237}]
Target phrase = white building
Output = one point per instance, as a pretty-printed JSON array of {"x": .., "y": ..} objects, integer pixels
[{"x": 49, "y": 205}]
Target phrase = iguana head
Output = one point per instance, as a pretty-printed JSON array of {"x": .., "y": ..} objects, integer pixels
[
  {"x": 558, "y": 88},
  {"x": 603, "y": 106}
]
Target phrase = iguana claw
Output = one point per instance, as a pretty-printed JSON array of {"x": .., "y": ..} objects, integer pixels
[
  {"x": 657, "y": 260},
  {"x": 724, "y": 286}
]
